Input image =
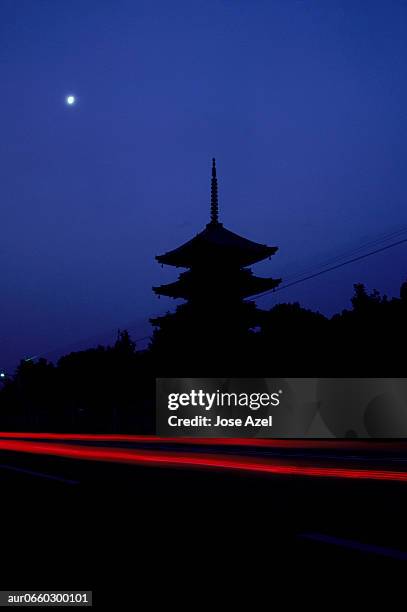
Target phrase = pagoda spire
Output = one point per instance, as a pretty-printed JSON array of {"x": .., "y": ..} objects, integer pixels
[{"x": 214, "y": 196}]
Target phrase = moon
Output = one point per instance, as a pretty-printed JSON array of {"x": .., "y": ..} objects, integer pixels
[{"x": 70, "y": 100}]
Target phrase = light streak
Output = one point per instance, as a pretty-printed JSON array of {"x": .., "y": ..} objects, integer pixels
[
  {"x": 175, "y": 459},
  {"x": 354, "y": 545},
  {"x": 251, "y": 442}
]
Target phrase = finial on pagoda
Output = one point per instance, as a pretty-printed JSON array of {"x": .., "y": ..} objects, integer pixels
[{"x": 214, "y": 195}]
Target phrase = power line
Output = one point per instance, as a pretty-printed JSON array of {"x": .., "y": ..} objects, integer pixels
[
  {"x": 337, "y": 258},
  {"x": 340, "y": 265}
]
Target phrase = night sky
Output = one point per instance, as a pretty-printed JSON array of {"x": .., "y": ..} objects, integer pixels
[{"x": 303, "y": 104}]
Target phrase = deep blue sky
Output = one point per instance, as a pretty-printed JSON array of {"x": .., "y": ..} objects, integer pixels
[{"x": 303, "y": 103}]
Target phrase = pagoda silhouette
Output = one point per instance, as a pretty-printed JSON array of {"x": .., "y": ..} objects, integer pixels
[{"x": 215, "y": 288}]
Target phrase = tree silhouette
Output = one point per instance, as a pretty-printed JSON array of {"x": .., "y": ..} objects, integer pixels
[{"x": 111, "y": 388}]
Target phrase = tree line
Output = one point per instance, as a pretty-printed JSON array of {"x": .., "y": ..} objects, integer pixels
[{"x": 111, "y": 388}]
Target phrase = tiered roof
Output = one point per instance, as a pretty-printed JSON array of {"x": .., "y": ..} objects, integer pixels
[{"x": 216, "y": 248}]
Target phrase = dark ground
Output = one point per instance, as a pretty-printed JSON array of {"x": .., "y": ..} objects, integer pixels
[{"x": 137, "y": 536}]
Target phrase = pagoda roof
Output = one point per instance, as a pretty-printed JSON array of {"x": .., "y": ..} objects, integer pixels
[
  {"x": 245, "y": 286},
  {"x": 216, "y": 243}
]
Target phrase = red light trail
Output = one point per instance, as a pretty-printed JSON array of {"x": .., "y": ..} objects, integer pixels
[
  {"x": 251, "y": 442},
  {"x": 193, "y": 460}
]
